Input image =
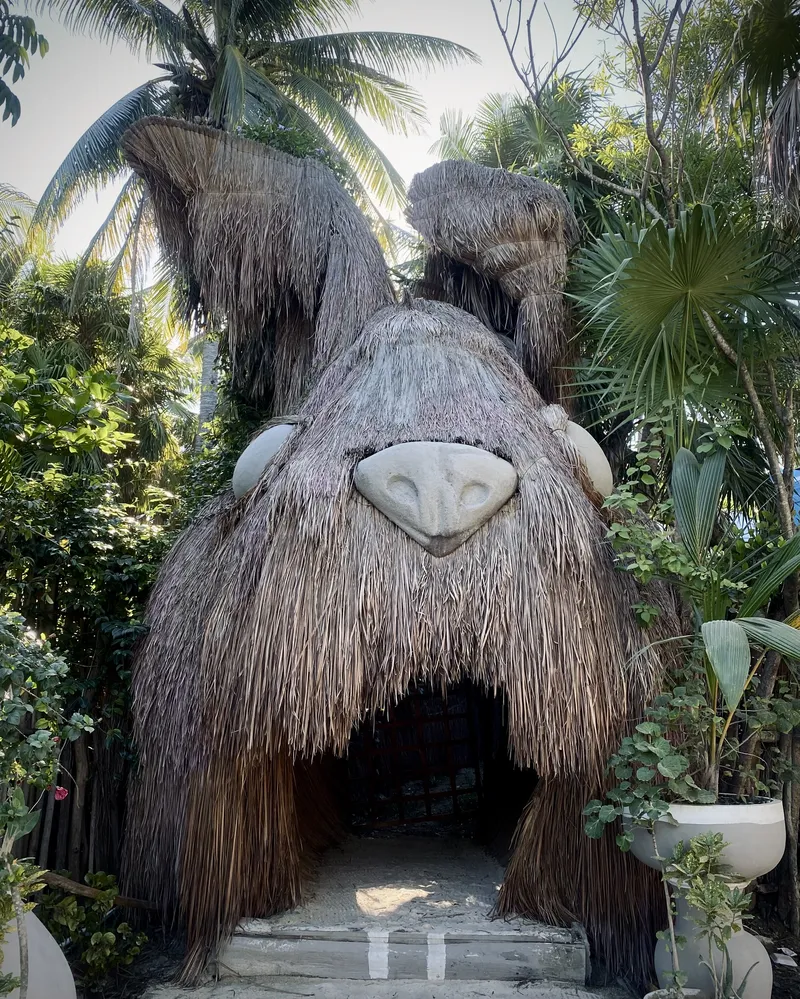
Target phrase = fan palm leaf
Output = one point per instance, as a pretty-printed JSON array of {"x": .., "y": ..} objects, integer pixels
[{"x": 650, "y": 300}]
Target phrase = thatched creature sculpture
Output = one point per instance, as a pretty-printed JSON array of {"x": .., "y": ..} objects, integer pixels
[{"x": 426, "y": 512}]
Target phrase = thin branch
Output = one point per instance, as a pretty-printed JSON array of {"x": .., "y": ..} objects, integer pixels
[
  {"x": 646, "y": 71},
  {"x": 529, "y": 80},
  {"x": 673, "y": 73},
  {"x": 86, "y": 891},
  {"x": 762, "y": 424}
]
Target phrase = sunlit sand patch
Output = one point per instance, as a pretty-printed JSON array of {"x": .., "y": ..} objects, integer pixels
[{"x": 384, "y": 900}]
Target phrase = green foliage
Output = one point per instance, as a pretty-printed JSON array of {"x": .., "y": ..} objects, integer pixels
[
  {"x": 33, "y": 730},
  {"x": 719, "y": 906},
  {"x": 81, "y": 323},
  {"x": 661, "y": 762},
  {"x": 688, "y": 737},
  {"x": 653, "y": 297},
  {"x": 96, "y": 943},
  {"x": 33, "y": 725},
  {"x": 48, "y": 421},
  {"x": 18, "y": 40}
]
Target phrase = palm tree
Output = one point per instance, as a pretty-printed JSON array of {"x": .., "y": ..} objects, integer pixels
[
  {"x": 762, "y": 74},
  {"x": 231, "y": 63},
  {"x": 694, "y": 328}
]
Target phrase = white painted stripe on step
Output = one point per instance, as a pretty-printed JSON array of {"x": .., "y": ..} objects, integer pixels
[
  {"x": 378, "y": 954},
  {"x": 437, "y": 957}
]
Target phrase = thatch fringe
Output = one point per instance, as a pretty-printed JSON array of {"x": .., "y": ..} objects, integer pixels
[
  {"x": 166, "y": 696},
  {"x": 560, "y": 876},
  {"x": 277, "y": 253},
  {"x": 501, "y": 244},
  {"x": 253, "y": 827}
]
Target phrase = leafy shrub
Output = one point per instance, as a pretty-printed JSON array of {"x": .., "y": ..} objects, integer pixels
[{"x": 95, "y": 943}]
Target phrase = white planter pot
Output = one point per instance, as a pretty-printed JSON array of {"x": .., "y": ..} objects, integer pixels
[
  {"x": 670, "y": 994},
  {"x": 755, "y": 834},
  {"x": 49, "y": 975},
  {"x": 756, "y": 838}
]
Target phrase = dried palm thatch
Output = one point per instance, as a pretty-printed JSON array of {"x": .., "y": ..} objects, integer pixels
[
  {"x": 315, "y": 611},
  {"x": 275, "y": 251},
  {"x": 166, "y": 692},
  {"x": 560, "y": 876},
  {"x": 500, "y": 246}
]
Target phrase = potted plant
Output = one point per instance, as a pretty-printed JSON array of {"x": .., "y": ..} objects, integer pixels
[{"x": 668, "y": 772}]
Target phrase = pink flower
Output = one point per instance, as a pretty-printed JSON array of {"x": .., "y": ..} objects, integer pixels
[{"x": 61, "y": 793}]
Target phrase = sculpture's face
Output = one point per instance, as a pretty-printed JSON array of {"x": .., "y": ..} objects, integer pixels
[
  {"x": 438, "y": 492},
  {"x": 422, "y": 519}
]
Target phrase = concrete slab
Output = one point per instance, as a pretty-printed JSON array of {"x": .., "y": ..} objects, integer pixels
[
  {"x": 275, "y": 988},
  {"x": 405, "y": 908}
]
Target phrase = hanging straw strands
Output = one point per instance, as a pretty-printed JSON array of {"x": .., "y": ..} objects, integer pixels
[
  {"x": 276, "y": 252},
  {"x": 316, "y": 611},
  {"x": 500, "y": 246}
]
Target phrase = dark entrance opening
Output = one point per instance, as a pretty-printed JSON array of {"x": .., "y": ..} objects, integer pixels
[{"x": 436, "y": 764}]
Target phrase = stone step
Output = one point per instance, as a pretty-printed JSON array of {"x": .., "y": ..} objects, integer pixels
[
  {"x": 489, "y": 952},
  {"x": 318, "y": 988}
]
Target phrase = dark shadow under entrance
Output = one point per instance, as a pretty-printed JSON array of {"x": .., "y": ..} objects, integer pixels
[{"x": 436, "y": 764}]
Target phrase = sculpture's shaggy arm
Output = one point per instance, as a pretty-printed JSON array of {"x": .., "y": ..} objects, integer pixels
[
  {"x": 500, "y": 244},
  {"x": 275, "y": 252}
]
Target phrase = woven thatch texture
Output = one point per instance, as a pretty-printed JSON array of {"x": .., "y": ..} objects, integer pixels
[
  {"x": 500, "y": 245},
  {"x": 276, "y": 251}
]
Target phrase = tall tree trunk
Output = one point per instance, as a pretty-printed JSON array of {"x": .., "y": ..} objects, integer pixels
[
  {"x": 78, "y": 810},
  {"x": 208, "y": 389}
]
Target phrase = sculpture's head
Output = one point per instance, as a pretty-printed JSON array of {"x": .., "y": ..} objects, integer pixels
[{"x": 427, "y": 516}]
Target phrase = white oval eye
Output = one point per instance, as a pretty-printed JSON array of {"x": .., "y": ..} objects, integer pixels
[
  {"x": 593, "y": 458},
  {"x": 256, "y": 456}
]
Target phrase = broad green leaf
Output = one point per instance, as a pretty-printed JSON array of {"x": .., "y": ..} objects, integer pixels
[
  {"x": 775, "y": 635},
  {"x": 728, "y": 651},
  {"x": 673, "y": 766},
  {"x": 695, "y": 494},
  {"x": 683, "y": 487},
  {"x": 779, "y": 566}
]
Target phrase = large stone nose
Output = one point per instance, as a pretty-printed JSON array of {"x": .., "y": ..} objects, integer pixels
[{"x": 439, "y": 494}]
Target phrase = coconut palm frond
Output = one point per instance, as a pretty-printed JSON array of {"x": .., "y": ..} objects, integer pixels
[
  {"x": 151, "y": 27},
  {"x": 389, "y": 52},
  {"x": 16, "y": 213},
  {"x": 96, "y": 159},
  {"x": 350, "y": 139},
  {"x": 458, "y": 137}
]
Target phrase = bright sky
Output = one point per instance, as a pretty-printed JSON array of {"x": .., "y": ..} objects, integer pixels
[{"x": 81, "y": 77}]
